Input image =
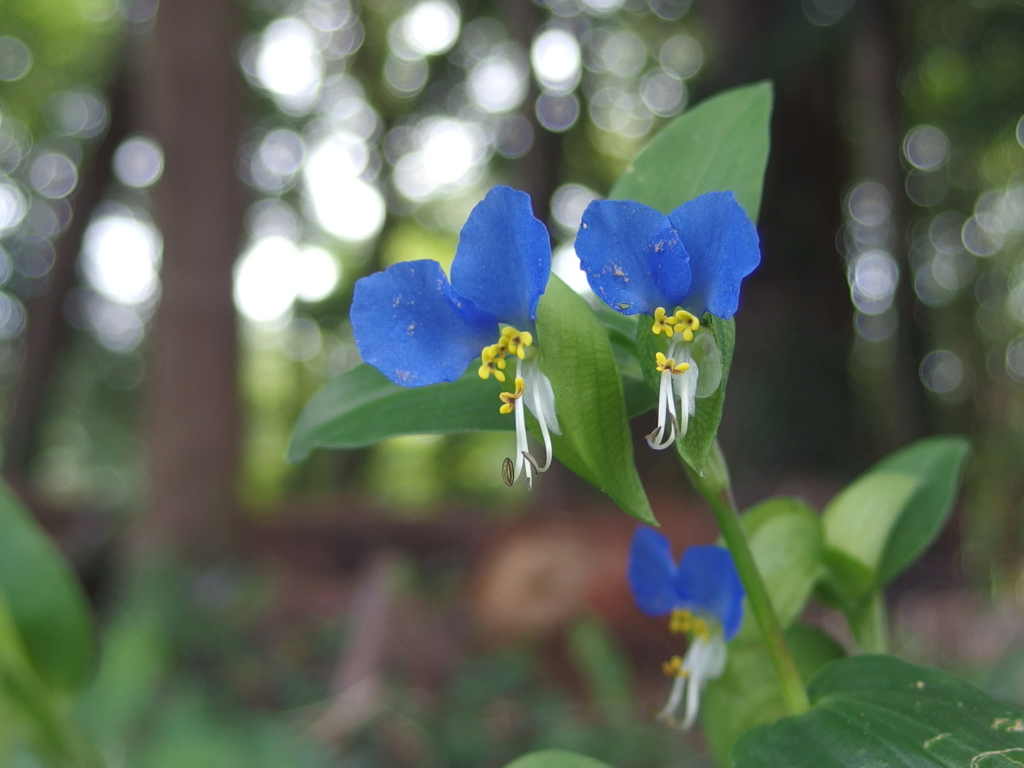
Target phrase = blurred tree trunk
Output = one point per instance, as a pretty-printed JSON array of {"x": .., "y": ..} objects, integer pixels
[{"x": 191, "y": 98}]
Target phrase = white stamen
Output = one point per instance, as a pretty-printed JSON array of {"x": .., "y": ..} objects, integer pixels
[
  {"x": 704, "y": 660},
  {"x": 522, "y": 445},
  {"x": 676, "y": 696},
  {"x": 540, "y": 399}
]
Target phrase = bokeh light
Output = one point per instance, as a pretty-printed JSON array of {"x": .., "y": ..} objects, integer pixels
[
  {"x": 288, "y": 64},
  {"x": 498, "y": 83},
  {"x": 557, "y": 111},
  {"x": 121, "y": 258},
  {"x": 447, "y": 158},
  {"x": 80, "y": 113},
  {"x": 138, "y": 162},
  {"x": 825, "y": 13},
  {"x": 926, "y": 147},
  {"x": 53, "y": 175},
  {"x": 274, "y": 272},
  {"x": 943, "y": 373},
  {"x": 430, "y": 27},
  {"x": 12, "y": 205},
  {"x": 15, "y": 59},
  {"x": 342, "y": 203},
  {"x": 555, "y": 55}
]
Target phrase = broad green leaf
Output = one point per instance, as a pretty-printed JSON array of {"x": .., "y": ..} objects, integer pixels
[
  {"x": 748, "y": 694},
  {"x": 361, "y": 407},
  {"x": 878, "y": 712},
  {"x": 858, "y": 521},
  {"x": 939, "y": 462},
  {"x": 555, "y": 758},
  {"x": 720, "y": 144},
  {"x": 621, "y": 332},
  {"x": 786, "y": 540},
  {"x": 44, "y": 598},
  {"x": 577, "y": 357},
  {"x": 888, "y": 517}
]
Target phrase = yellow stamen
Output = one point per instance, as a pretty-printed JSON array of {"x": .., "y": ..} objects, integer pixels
[
  {"x": 492, "y": 361},
  {"x": 662, "y": 364},
  {"x": 516, "y": 341},
  {"x": 689, "y": 322},
  {"x": 680, "y": 322},
  {"x": 509, "y": 398},
  {"x": 663, "y": 324},
  {"x": 674, "y": 667},
  {"x": 685, "y": 623}
]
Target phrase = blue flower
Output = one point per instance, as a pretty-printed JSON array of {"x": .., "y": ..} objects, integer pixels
[
  {"x": 704, "y": 597},
  {"x": 417, "y": 329},
  {"x": 674, "y": 268}
]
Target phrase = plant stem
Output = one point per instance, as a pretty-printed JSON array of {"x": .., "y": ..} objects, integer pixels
[
  {"x": 715, "y": 487},
  {"x": 869, "y": 625}
]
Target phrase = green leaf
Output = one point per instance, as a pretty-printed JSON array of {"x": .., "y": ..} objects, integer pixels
[
  {"x": 555, "y": 758},
  {"x": 721, "y": 144},
  {"x": 621, "y": 332},
  {"x": 33, "y": 708},
  {"x": 603, "y": 667},
  {"x": 879, "y": 711},
  {"x": 703, "y": 428},
  {"x": 939, "y": 462},
  {"x": 786, "y": 540},
  {"x": 361, "y": 407},
  {"x": 577, "y": 357},
  {"x": 858, "y": 521},
  {"x": 748, "y": 693},
  {"x": 889, "y": 516},
  {"x": 44, "y": 598}
]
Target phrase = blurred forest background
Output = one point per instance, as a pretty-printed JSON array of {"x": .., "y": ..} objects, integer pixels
[{"x": 189, "y": 191}]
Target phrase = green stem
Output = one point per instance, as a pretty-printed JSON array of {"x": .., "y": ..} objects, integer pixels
[
  {"x": 869, "y": 625},
  {"x": 715, "y": 487}
]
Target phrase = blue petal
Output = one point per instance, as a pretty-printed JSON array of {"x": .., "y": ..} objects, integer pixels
[
  {"x": 411, "y": 325},
  {"x": 633, "y": 257},
  {"x": 723, "y": 247},
  {"x": 503, "y": 259},
  {"x": 707, "y": 581},
  {"x": 650, "y": 572}
]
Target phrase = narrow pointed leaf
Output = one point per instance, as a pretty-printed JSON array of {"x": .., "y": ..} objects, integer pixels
[
  {"x": 888, "y": 517},
  {"x": 361, "y": 407},
  {"x": 595, "y": 442},
  {"x": 45, "y": 601},
  {"x": 720, "y": 144},
  {"x": 879, "y": 711}
]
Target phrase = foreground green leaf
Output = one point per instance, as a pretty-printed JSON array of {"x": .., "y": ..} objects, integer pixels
[
  {"x": 748, "y": 693},
  {"x": 595, "y": 442},
  {"x": 32, "y": 709},
  {"x": 361, "y": 407},
  {"x": 720, "y": 144},
  {"x": 45, "y": 601},
  {"x": 555, "y": 758},
  {"x": 879, "y": 711}
]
